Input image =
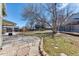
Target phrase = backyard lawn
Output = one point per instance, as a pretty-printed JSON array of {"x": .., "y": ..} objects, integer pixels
[{"x": 60, "y": 45}]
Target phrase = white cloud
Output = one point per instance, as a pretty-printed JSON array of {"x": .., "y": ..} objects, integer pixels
[{"x": 64, "y": 5}]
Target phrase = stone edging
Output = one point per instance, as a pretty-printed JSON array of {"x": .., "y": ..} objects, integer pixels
[{"x": 41, "y": 50}]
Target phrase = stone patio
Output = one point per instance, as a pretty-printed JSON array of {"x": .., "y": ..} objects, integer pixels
[{"x": 20, "y": 46}]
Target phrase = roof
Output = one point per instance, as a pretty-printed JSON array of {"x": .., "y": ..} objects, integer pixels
[{"x": 8, "y": 23}]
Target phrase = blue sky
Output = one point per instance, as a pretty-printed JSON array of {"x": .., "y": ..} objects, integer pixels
[{"x": 14, "y": 11}]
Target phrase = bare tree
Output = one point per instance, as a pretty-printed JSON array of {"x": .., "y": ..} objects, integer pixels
[
  {"x": 36, "y": 13},
  {"x": 59, "y": 16},
  {"x": 52, "y": 8}
]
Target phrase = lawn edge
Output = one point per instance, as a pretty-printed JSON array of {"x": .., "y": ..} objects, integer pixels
[{"x": 41, "y": 50}]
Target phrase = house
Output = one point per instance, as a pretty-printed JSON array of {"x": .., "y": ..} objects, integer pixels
[
  {"x": 8, "y": 27},
  {"x": 23, "y": 29},
  {"x": 72, "y": 24}
]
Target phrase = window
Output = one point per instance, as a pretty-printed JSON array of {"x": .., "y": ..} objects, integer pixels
[
  {"x": 9, "y": 29},
  {"x": 16, "y": 29}
]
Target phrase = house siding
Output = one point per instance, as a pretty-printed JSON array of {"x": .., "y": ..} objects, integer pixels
[
  {"x": 76, "y": 28},
  {"x": 72, "y": 25}
]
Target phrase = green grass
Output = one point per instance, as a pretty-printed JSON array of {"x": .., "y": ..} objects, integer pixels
[{"x": 64, "y": 46}]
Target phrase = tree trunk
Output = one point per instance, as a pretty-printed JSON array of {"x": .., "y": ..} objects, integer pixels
[{"x": 54, "y": 20}]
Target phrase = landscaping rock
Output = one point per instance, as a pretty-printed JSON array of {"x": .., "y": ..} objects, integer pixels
[{"x": 63, "y": 54}]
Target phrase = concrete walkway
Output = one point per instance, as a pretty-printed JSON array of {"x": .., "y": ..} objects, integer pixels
[{"x": 20, "y": 46}]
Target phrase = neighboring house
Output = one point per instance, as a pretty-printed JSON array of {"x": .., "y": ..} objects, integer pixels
[
  {"x": 72, "y": 24},
  {"x": 9, "y": 27},
  {"x": 23, "y": 29}
]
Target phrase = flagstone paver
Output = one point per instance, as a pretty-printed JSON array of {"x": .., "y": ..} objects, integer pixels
[{"x": 20, "y": 46}]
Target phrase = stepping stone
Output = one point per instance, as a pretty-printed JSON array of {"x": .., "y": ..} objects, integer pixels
[
  {"x": 63, "y": 54},
  {"x": 56, "y": 47},
  {"x": 23, "y": 50}
]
